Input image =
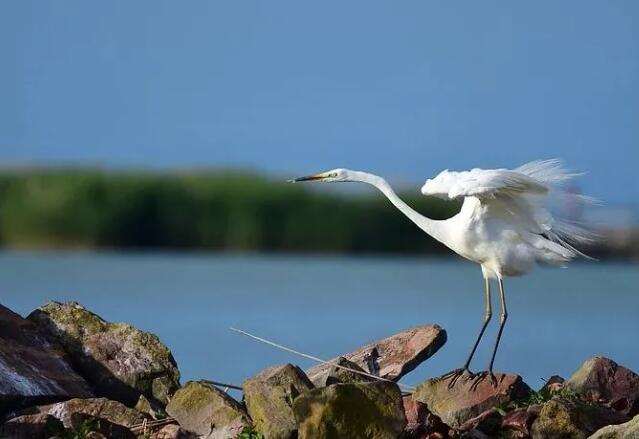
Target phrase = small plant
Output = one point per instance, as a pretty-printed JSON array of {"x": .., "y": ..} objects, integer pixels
[
  {"x": 250, "y": 433},
  {"x": 546, "y": 393},
  {"x": 83, "y": 430}
]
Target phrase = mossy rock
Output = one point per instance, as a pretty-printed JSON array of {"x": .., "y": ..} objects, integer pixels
[
  {"x": 563, "y": 419},
  {"x": 118, "y": 360},
  {"x": 269, "y": 398},
  {"x": 206, "y": 410},
  {"x": 628, "y": 430},
  {"x": 355, "y": 410}
]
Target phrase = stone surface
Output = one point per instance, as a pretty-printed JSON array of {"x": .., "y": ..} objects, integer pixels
[
  {"x": 112, "y": 411},
  {"x": 356, "y": 410},
  {"x": 462, "y": 402},
  {"x": 173, "y": 431},
  {"x": 394, "y": 356},
  {"x": 336, "y": 374},
  {"x": 206, "y": 410},
  {"x": 118, "y": 360},
  {"x": 84, "y": 424},
  {"x": 33, "y": 370},
  {"x": 627, "y": 430},
  {"x": 602, "y": 380},
  {"x": 420, "y": 422},
  {"x": 559, "y": 418},
  {"x": 487, "y": 422},
  {"x": 269, "y": 399},
  {"x": 38, "y": 426},
  {"x": 517, "y": 423}
]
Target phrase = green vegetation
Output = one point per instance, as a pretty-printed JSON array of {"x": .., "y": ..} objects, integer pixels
[
  {"x": 249, "y": 433},
  {"x": 208, "y": 210}
]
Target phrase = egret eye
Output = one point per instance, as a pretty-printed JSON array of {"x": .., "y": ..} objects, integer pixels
[{"x": 333, "y": 174}]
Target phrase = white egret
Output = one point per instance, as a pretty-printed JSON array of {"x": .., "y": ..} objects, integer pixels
[{"x": 502, "y": 225}]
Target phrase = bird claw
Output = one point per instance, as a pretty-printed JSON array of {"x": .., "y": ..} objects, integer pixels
[
  {"x": 481, "y": 376},
  {"x": 454, "y": 375}
]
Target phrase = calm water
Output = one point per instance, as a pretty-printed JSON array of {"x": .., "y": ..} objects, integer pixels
[{"x": 325, "y": 306}]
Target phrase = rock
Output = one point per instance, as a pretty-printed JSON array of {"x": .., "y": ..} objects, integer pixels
[
  {"x": 336, "y": 374},
  {"x": 206, "y": 410},
  {"x": 487, "y": 422},
  {"x": 628, "y": 430},
  {"x": 37, "y": 426},
  {"x": 84, "y": 425},
  {"x": 355, "y": 410},
  {"x": 420, "y": 422},
  {"x": 462, "y": 402},
  {"x": 394, "y": 356},
  {"x": 32, "y": 370},
  {"x": 102, "y": 408},
  {"x": 560, "y": 418},
  {"x": 269, "y": 399},
  {"x": 602, "y": 380},
  {"x": 119, "y": 361},
  {"x": 173, "y": 431},
  {"x": 518, "y": 422}
]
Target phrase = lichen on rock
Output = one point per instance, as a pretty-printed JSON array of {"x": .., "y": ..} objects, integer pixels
[
  {"x": 353, "y": 410},
  {"x": 118, "y": 360}
]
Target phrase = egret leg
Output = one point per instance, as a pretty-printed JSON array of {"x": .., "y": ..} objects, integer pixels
[
  {"x": 457, "y": 373},
  {"x": 487, "y": 318},
  {"x": 502, "y": 323}
]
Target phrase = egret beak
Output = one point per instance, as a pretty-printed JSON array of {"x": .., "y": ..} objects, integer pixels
[{"x": 308, "y": 178}]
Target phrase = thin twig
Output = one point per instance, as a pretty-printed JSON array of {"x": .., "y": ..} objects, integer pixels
[
  {"x": 227, "y": 386},
  {"x": 319, "y": 360}
]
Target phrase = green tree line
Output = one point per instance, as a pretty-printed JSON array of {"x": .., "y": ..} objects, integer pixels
[{"x": 206, "y": 210}]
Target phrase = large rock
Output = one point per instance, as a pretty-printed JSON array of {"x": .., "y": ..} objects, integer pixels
[
  {"x": 628, "y": 430},
  {"x": 269, "y": 399},
  {"x": 33, "y": 370},
  {"x": 38, "y": 426},
  {"x": 465, "y": 400},
  {"x": 206, "y": 410},
  {"x": 603, "y": 381},
  {"x": 357, "y": 410},
  {"x": 394, "y": 356},
  {"x": 99, "y": 408},
  {"x": 119, "y": 361},
  {"x": 560, "y": 419}
]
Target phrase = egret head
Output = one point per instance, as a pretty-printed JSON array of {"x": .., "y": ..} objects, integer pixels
[{"x": 332, "y": 176}]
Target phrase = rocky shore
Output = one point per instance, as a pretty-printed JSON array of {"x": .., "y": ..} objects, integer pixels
[{"x": 67, "y": 373}]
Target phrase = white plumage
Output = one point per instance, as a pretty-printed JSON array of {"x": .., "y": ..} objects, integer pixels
[{"x": 503, "y": 224}]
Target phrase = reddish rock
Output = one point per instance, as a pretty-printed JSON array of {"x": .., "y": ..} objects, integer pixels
[
  {"x": 603, "y": 381},
  {"x": 32, "y": 370},
  {"x": 488, "y": 422},
  {"x": 394, "y": 356},
  {"x": 420, "y": 422},
  {"x": 517, "y": 423},
  {"x": 37, "y": 426},
  {"x": 465, "y": 400}
]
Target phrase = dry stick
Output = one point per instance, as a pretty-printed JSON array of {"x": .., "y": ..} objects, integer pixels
[
  {"x": 227, "y": 386},
  {"x": 319, "y": 360}
]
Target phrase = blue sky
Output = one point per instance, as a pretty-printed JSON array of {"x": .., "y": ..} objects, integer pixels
[{"x": 403, "y": 89}]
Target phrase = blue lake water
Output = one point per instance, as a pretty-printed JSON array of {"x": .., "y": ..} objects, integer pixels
[{"x": 329, "y": 305}]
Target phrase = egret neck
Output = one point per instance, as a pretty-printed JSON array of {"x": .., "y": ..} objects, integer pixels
[{"x": 435, "y": 228}]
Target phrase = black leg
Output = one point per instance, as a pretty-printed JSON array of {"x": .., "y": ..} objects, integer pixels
[
  {"x": 487, "y": 318},
  {"x": 502, "y": 323},
  {"x": 457, "y": 373}
]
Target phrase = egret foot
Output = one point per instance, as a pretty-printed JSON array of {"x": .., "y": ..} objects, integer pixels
[
  {"x": 454, "y": 375},
  {"x": 481, "y": 376}
]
